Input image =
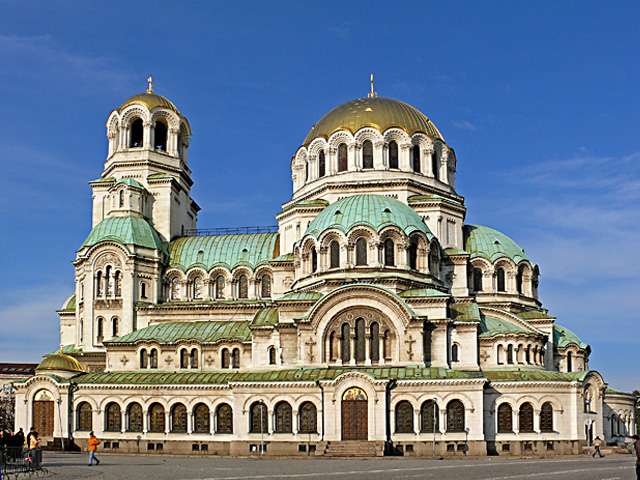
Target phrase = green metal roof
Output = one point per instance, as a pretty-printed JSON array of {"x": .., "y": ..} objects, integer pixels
[
  {"x": 227, "y": 250},
  {"x": 302, "y": 296},
  {"x": 172, "y": 332},
  {"x": 533, "y": 376},
  {"x": 490, "y": 327},
  {"x": 128, "y": 230},
  {"x": 455, "y": 251},
  {"x": 69, "y": 304},
  {"x": 67, "y": 350},
  {"x": 319, "y": 202},
  {"x": 465, "y": 312},
  {"x": 375, "y": 211},
  {"x": 534, "y": 314},
  {"x": 431, "y": 197},
  {"x": 423, "y": 292},
  {"x": 159, "y": 175},
  {"x": 103, "y": 180},
  {"x": 491, "y": 244},
  {"x": 265, "y": 317},
  {"x": 130, "y": 182},
  {"x": 563, "y": 337},
  {"x": 287, "y": 257}
]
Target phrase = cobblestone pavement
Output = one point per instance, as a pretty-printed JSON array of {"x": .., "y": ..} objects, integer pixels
[{"x": 139, "y": 467}]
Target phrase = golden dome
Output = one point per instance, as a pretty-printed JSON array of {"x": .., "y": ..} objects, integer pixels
[
  {"x": 60, "y": 361},
  {"x": 377, "y": 112},
  {"x": 151, "y": 101}
]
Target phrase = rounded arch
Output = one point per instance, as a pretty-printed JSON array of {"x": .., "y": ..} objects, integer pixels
[
  {"x": 166, "y": 115},
  {"x": 341, "y": 136},
  {"x": 316, "y": 146},
  {"x": 397, "y": 135},
  {"x": 368, "y": 133}
]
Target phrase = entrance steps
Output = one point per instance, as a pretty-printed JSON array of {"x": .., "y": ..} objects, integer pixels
[{"x": 351, "y": 448}]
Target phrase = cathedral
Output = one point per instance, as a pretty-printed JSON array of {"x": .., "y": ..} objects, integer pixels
[{"x": 371, "y": 320}]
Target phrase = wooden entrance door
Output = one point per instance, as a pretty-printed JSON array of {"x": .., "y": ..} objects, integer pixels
[
  {"x": 43, "y": 417},
  {"x": 355, "y": 415}
]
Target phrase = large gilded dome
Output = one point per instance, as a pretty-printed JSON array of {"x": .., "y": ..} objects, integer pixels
[
  {"x": 151, "y": 101},
  {"x": 377, "y": 112}
]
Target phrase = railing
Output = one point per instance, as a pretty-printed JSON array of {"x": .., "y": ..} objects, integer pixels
[
  {"x": 229, "y": 231},
  {"x": 15, "y": 460}
]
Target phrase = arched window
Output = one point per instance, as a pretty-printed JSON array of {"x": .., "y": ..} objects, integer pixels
[
  {"x": 134, "y": 418},
  {"x": 435, "y": 165},
  {"x": 360, "y": 343},
  {"x": 225, "y": 358},
  {"x": 413, "y": 256},
  {"x": 201, "y": 419},
  {"x": 265, "y": 286},
  {"x": 500, "y": 280},
  {"x": 272, "y": 356},
  {"x": 113, "y": 418},
  {"x": 179, "y": 418},
  {"x": 477, "y": 279},
  {"x": 386, "y": 345},
  {"x": 346, "y": 344},
  {"x": 175, "y": 289},
  {"x": 434, "y": 262},
  {"x": 314, "y": 260},
  {"x": 416, "y": 158},
  {"x": 427, "y": 337},
  {"x": 235, "y": 358},
  {"x": 510, "y": 354},
  {"x": 114, "y": 326},
  {"x": 143, "y": 290},
  {"x": 333, "y": 346},
  {"x": 342, "y": 157},
  {"x": 389, "y": 253},
  {"x": 197, "y": 288},
  {"x": 224, "y": 419},
  {"x": 505, "y": 418},
  {"x": 84, "y": 417},
  {"x": 220, "y": 287},
  {"x": 117, "y": 283},
  {"x": 404, "y": 417},
  {"x": 137, "y": 132},
  {"x": 283, "y": 416},
  {"x": 321, "y": 164},
  {"x": 108, "y": 287},
  {"x": 367, "y": 154},
  {"x": 527, "y": 355},
  {"x": 161, "y": 136},
  {"x": 99, "y": 289},
  {"x": 429, "y": 421},
  {"x": 308, "y": 415},
  {"x": 500, "y": 355},
  {"x": 100, "y": 328},
  {"x": 525, "y": 418},
  {"x": 569, "y": 362},
  {"x": 156, "y": 418},
  {"x": 393, "y": 155},
  {"x": 334, "y": 254},
  {"x": 455, "y": 353},
  {"x": 374, "y": 354},
  {"x": 519, "y": 281},
  {"x": 258, "y": 418},
  {"x": 184, "y": 358},
  {"x": 243, "y": 287},
  {"x": 455, "y": 416},
  {"x": 361, "y": 251},
  {"x": 194, "y": 358},
  {"x": 144, "y": 358},
  {"x": 306, "y": 171},
  {"x": 121, "y": 199},
  {"x": 153, "y": 358}
]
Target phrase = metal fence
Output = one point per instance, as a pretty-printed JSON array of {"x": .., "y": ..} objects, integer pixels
[{"x": 15, "y": 460}]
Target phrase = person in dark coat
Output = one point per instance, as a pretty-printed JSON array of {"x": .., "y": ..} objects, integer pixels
[
  {"x": 19, "y": 439},
  {"x": 636, "y": 446}
]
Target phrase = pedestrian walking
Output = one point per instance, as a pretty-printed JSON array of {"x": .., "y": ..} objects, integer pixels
[
  {"x": 93, "y": 443},
  {"x": 19, "y": 439},
  {"x": 34, "y": 445},
  {"x": 636, "y": 445},
  {"x": 597, "y": 443}
]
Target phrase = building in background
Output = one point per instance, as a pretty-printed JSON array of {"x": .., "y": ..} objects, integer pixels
[
  {"x": 371, "y": 319},
  {"x": 11, "y": 372}
]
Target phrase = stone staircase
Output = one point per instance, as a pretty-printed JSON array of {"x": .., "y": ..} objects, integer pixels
[{"x": 351, "y": 448}]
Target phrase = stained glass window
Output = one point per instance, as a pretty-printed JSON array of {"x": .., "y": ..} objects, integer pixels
[
  {"x": 428, "y": 414},
  {"x": 134, "y": 418},
  {"x": 455, "y": 355},
  {"x": 346, "y": 344},
  {"x": 201, "y": 419},
  {"x": 265, "y": 290},
  {"x": 389, "y": 253},
  {"x": 334, "y": 253},
  {"x": 258, "y": 413},
  {"x": 455, "y": 416},
  {"x": 194, "y": 358},
  {"x": 321, "y": 164},
  {"x": 243, "y": 287},
  {"x": 144, "y": 358},
  {"x": 308, "y": 418},
  {"x": 342, "y": 157},
  {"x": 100, "y": 328},
  {"x": 374, "y": 354},
  {"x": 179, "y": 418},
  {"x": 225, "y": 359},
  {"x": 220, "y": 287},
  {"x": 360, "y": 341},
  {"x": 525, "y": 419},
  {"x": 361, "y": 251},
  {"x": 367, "y": 154},
  {"x": 184, "y": 358},
  {"x": 197, "y": 288},
  {"x": 393, "y": 155},
  {"x": 224, "y": 419},
  {"x": 404, "y": 417},
  {"x": 114, "y": 326},
  {"x": 505, "y": 418},
  {"x": 283, "y": 416},
  {"x": 416, "y": 158},
  {"x": 546, "y": 418},
  {"x": 113, "y": 418},
  {"x": 235, "y": 358},
  {"x": 84, "y": 417},
  {"x": 153, "y": 358},
  {"x": 272, "y": 356},
  {"x": 156, "y": 418}
]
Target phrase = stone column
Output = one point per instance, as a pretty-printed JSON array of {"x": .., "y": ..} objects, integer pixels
[
  {"x": 381, "y": 350},
  {"x": 145, "y": 421},
  {"x": 189, "y": 422},
  {"x": 353, "y": 348},
  {"x": 147, "y": 136},
  {"x": 367, "y": 349},
  {"x": 404, "y": 160},
  {"x": 352, "y": 161},
  {"x": 428, "y": 159},
  {"x": 378, "y": 155},
  {"x": 444, "y": 167},
  {"x": 167, "y": 422},
  {"x": 331, "y": 161}
]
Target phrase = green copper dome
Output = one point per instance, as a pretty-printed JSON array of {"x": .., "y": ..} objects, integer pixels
[
  {"x": 375, "y": 211},
  {"x": 491, "y": 244},
  {"x": 127, "y": 231},
  {"x": 563, "y": 337}
]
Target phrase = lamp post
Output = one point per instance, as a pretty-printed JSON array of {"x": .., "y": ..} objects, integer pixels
[
  {"x": 587, "y": 402},
  {"x": 261, "y": 427},
  {"x": 434, "y": 427}
]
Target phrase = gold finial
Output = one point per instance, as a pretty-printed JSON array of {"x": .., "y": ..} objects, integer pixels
[
  {"x": 150, "y": 80},
  {"x": 372, "y": 94}
]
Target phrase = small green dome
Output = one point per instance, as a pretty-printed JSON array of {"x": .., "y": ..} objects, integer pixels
[
  {"x": 128, "y": 230},
  {"x": 491, "y": 244},
  {"x": 375, "y": 211},
  {"x": 60, "y": 362},
  {"x": 130, "y": 182},
  {"x": 563, "y": 337}
]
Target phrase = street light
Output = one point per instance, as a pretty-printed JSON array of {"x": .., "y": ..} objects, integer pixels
[
  {"x": 587, "y": 423},
  {"x": 261, "y": 428},
  {"x": 434, "y": 426}
]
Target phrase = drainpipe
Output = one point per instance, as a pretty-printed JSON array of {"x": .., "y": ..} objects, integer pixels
[
  {"x": 322, "y": 397},
  {"x": 390, "y": 386}
]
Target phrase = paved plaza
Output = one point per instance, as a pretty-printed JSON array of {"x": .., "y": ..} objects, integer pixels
[{"x": 130, "y": 467}]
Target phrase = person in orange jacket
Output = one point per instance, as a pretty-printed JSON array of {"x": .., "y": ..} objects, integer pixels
[{"x": 93, "y": 443}]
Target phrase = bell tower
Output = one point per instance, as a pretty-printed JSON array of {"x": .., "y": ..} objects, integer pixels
[{"x": 146, "y": 172}]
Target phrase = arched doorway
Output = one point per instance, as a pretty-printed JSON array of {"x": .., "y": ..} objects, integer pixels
[
  {"x": 355, "y": 414},
  {"x": 43, "y": 413}
]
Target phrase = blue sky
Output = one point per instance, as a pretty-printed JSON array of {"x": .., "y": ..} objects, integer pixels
[{"x": 539, "y": 99}]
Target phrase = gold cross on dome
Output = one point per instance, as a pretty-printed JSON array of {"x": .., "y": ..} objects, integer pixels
[
  {"x": 150, "y": 80},
  {"x": 372, "y": 94}
]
